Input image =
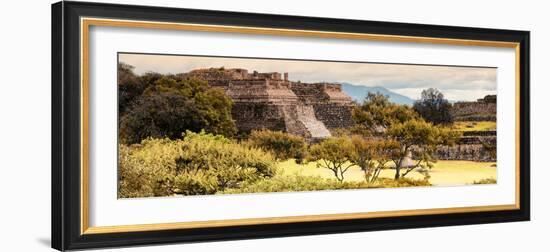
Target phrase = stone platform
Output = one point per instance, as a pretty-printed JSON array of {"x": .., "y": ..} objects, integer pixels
[{"x": 272, "y": 101}]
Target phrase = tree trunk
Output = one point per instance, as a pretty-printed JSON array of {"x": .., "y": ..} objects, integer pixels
[
  {"x": 398, "y": 169},
  {"x": 397, "y": 173},
  {"x": 336, "y": 175},
  {"x": 400, "y": 163}
]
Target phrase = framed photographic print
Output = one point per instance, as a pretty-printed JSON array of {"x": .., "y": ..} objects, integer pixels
[{"x": 181, "y": 125}]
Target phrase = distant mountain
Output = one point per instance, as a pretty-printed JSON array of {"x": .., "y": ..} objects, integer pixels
[{"x": 358, "y": 93}]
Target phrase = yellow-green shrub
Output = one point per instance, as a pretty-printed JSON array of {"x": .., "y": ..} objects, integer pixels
[
  {"x": 296, "y": 183},
  {"x": 195, "y": 165},
  {"x": 282, "y": 145}
]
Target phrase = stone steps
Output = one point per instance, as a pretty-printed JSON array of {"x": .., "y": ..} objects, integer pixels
[{"x": 316, "y": 128}]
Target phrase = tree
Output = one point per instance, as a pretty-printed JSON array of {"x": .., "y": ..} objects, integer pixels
[
  {"x": 171, "y": 106},
  {"x": 282, "y": 145},
  {"x": 425, "y": 136},
  {"x": 129, "y": 86},
  {"x": 372, "y": 155},
  {"x": 433, "y": 107},
  {"x": 400, "y": 128},
  {"x": 335, "y": 154},
  {"x": 377, "y": 113}
]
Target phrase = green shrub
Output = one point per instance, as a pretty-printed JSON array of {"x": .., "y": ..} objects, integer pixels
[
  {"x": 195, "y": 165},
  {"x": 283, "y": 145},
  {"x": 485, "y": 181},
  {"x": 401, "y": 182},
  {"x": 296, "y": 183},
  {"x": 135, "y": 179}
]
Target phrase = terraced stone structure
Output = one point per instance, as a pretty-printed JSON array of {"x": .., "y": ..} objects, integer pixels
[
  {"x": 272, "y": 101},
  {"x": 472, "y": 146},
  {"x": 484, "y": 109}
]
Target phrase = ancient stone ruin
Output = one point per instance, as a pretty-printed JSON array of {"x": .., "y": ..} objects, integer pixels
[
  {"x": 272, "y": 101},
  {"x": 484, "y": 109},
  {"x": 472, "y": 146},
  {"x": 312, "y": 110}
]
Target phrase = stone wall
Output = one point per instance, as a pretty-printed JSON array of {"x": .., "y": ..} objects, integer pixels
[
  {"x": 470, "y": 152},
  {"x": 334, "y": 115},
  {"x": 481, "y": 110},
  {"x": 320, "y": 93},
  {"x": 249, "y": 116},
  {"x": 472, "y": 146},
  {"x": 309, "y": 93},
  {"x": 260, "y": 91},
  {"x": 219, "y": 74}
]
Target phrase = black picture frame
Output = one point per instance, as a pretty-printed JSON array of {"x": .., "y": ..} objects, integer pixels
[{"x": 66, "y": 124}]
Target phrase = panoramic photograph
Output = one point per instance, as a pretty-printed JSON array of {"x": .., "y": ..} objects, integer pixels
[{"x": 205, "y": 125}]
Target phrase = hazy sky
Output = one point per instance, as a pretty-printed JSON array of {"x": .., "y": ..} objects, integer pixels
[{"x": 456, "y": 83}]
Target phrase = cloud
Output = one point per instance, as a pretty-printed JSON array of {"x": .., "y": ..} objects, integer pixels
[{"x": 457, "y": 83}]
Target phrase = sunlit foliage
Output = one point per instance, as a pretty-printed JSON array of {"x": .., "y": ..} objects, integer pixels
[
  {"x": 283, "y": 145},
  {"x": 195, "y": 165}
]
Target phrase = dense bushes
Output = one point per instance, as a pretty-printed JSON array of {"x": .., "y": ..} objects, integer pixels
[
  {"x": 195, "y": 165},
  {"x": 282, "y": 145},
  {"x": 203, "y": 163}
]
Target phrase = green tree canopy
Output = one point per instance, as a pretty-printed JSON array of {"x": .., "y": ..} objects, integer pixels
[
  {"x": 131, "y": 86},
  {"x": 372, "y": 154},
  {"x": 421, "y": 134},
  {"x": 335, "y": 154},
  {"x": 433, "y": 107},
  {"x": 170, "y": 106},
  {"x": 282, "y": 145},
  {"x": 377, "y": 113}
]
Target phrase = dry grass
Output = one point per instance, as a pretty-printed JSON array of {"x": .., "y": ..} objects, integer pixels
[
  {"x": 475, "y": 126},
  {"x": 445, "y": 172}
]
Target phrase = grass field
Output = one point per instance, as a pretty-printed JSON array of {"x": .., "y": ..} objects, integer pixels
[
  {"x": 475, "y": 126},
  {"x": 443, "y": 173}
]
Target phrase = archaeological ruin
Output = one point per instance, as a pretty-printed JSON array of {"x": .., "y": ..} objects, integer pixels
[
  {"x": 473, "y": 145},
  {"x": 272, "y": 101},
  {"x": 484, "y": 109},
  {"x": 312, "y": 110}
]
